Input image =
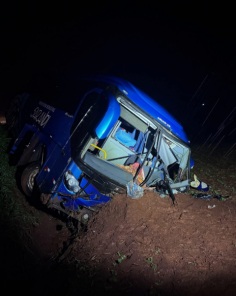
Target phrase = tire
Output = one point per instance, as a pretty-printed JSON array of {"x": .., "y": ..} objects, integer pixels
[{"x": 28, "y": 178}]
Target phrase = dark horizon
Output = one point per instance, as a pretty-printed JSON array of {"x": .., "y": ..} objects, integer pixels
[{"x": 184, "y": 57}]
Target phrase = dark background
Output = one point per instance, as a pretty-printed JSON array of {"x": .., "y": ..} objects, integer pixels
[{"x": 182, "y": 54}]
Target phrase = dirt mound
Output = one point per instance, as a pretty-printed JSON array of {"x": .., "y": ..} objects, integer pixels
[{"x": 149, "y": 246}]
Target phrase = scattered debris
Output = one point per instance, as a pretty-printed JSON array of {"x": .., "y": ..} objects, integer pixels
[{"x": 199, "y": 185}]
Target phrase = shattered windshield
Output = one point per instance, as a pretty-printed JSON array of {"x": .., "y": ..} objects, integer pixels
[{"x": 147, "y": 154}]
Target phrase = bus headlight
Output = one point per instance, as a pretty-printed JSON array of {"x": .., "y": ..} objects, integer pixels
[{"x": 71, "y": 182}]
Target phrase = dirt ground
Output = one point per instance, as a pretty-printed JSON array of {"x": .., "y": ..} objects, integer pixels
[
  {"x": 145, "y": 246},
  {"x": 150, "y": 247}
]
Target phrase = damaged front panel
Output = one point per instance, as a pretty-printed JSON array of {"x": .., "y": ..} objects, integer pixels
[{"x": 141, "y": 151}]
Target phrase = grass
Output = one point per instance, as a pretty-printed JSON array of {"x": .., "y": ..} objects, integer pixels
[
  {"x": 15, "y": 217},
  {"x": 218, "y": 171}
]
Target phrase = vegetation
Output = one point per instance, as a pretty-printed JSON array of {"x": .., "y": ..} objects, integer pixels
[{"x": 15, "y": 217}]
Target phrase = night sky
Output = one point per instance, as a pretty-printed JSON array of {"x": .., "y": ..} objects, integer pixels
[{"x": 184, "y": 56}]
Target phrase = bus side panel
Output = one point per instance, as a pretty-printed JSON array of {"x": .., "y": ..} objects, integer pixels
[
  {"x": 21, "y": 143},
  {"x": 53, "y": 168}
]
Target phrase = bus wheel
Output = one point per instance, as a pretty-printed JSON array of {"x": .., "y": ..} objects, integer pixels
[{"x": 28, "y": 178}]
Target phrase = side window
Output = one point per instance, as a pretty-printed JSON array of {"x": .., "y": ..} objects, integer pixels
[
  {"x": 132, "y": 137},
  {"x": 126, "y": 134}
]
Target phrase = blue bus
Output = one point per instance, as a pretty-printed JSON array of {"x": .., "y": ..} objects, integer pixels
[{"x": 85, "y": 141}]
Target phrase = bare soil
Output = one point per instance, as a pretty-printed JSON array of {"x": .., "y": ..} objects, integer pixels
[{"x": 146, "y": 246}]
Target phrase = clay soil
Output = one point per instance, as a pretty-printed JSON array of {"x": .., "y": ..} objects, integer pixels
[{"x": 146, "y": 246}]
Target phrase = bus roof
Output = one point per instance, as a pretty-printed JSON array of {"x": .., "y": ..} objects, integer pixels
[{"x": 145, "y": 102}]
